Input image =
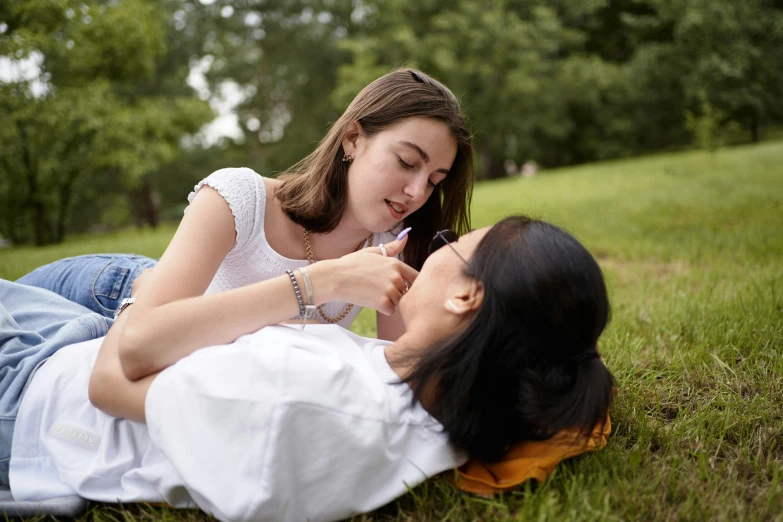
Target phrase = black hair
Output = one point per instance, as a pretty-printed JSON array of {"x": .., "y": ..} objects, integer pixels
[{"x": 522, "y": 370}]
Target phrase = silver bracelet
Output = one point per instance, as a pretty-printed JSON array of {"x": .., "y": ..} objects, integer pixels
[
  {"x": 308, "y": 285},
  {"x": 125, "y": 303},
  {"x": 310, "y": 306}
]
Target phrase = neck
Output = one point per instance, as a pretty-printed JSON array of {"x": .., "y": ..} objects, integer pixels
[
  {"x": 402, "y": 353},
  {"x": 401, "y": 356},
  {"x": 343, "y": 240}
]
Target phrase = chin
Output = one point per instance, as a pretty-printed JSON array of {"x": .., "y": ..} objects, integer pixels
[
  {"x": 379, "y": 227},
  {"x": 382, "y": 221}
]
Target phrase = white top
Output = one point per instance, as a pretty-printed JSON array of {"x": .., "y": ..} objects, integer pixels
[
  {"x": 280, "y": 425},
  {"x": 252, "y": 259}
]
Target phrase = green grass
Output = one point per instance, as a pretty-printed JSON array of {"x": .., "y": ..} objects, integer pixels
[{"x": 692, "y": 248}]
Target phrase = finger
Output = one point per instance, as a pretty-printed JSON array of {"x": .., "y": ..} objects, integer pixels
[
  {"x": 408, "y": 272},
  {"x": 401, "y": 284},
  {"x": 393, "y": 248},
  {"x": 391, "y": 302},
  {"x": 399, "y": 291},
  {"x": 387, "y": 307}
]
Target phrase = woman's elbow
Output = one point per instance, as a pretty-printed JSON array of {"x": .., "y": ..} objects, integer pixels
[
  {"x": 98, "y": 386},
  {"x": 133, "y": 363}
]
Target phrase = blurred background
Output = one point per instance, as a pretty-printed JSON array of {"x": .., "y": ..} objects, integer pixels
[{"x": 110, "y": 111}]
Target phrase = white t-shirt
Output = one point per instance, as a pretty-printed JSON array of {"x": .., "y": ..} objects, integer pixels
[
  {"x": 252, "y": 259},
  {"x": 279, "y": 425}
]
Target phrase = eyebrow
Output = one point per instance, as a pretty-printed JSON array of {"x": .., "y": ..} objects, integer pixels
[{"x": 424, "y": 155}]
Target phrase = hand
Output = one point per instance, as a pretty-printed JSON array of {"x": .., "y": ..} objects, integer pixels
[{"x": 365, "y": 278}]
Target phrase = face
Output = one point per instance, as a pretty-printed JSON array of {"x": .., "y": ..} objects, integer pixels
[
  {"x": 395, "y": 171},
  {"x": 440, "y": 279}
]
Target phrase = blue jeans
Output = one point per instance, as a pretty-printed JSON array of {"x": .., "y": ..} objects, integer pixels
[
  {"x": 34, "y": 324},
  {"x": 97, "y": 281}
]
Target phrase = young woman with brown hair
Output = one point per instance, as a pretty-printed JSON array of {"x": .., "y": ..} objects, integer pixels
[{"x": 400, "y": 157}]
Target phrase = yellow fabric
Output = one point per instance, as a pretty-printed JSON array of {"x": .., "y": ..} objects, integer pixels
[{"x": 527, "y": 460}]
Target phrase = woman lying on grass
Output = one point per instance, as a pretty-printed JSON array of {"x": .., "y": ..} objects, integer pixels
[{"x": 318, "y": 424}]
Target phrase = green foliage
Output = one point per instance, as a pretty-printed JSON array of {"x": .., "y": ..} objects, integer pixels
[
  {"x": 92, "y": 126},
  {"x": 556, "y": 81},
  {"x": 728, "y": 52},
  {"x": 566, "y": 82},
  {"x": 706, "y": 125},
  {"x": 498, "y": 57},
  {"x": 691, "y": 248}
]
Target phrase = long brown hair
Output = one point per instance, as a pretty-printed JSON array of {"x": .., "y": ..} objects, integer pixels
[{"x": 313, "y": 192}]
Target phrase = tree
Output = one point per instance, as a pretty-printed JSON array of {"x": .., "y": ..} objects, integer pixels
[
  {"x": 499, "y": 57},
  {"x": 729, "y": 56},
  {"x": 91, "y": 119}
]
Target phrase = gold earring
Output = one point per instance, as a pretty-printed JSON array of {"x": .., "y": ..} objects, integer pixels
[{"x": 347, "y": 158}]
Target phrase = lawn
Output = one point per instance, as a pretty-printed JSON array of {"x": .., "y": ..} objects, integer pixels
[{"x": 692, "y": 248}]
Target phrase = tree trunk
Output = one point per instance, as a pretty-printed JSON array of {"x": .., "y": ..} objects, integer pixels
[
  {"x": 65, "y": 202},
  {"x": 144, "y": 206},
  {"x": 150, "y": 204},
  {"x": 40, "y": 226},
  {"x": 486, "y": 159},
  {"x": 136, "y": 210},
  {"x": 755, "y": 131},
  {"x": 491, "y": 168}
]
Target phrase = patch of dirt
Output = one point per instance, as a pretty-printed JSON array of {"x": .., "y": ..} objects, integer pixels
[{"x": 628, "y": 271}]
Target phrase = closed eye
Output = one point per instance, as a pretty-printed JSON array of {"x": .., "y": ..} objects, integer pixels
[{"x": 404, "y": 165}]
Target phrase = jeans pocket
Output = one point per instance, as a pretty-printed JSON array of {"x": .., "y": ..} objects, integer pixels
[{"x": 107, "y": 286}]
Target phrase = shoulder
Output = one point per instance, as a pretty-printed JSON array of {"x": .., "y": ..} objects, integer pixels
[
  {"x": 245, "y": 192},
  {"x": 231, "y": 182}
]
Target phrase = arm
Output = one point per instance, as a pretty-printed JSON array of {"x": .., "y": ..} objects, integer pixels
[
  {"x": 203, "y": 239},
  {"x": 110, "y": 390},
  {"x": 176, "y": 319}
]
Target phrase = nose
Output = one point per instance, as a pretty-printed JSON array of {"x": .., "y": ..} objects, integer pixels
[{"x": 416, "y": 189}]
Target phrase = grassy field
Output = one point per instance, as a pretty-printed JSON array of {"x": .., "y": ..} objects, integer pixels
[{"x": 692, "y": 248}]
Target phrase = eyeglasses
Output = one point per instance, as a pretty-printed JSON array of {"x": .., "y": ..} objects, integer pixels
[{"x": 443, "y": 238}]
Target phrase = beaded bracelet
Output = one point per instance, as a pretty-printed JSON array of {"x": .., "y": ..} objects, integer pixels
[{"x": 302, "y": 308}]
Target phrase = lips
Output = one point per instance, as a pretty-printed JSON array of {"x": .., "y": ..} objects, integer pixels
[{"x": 397, "y": 210}]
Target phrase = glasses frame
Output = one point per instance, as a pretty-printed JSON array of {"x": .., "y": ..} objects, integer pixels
[{"x": 446, "y": 241}]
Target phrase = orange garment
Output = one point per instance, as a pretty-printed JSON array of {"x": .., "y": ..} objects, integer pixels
[{"x": 527, "y": 460}]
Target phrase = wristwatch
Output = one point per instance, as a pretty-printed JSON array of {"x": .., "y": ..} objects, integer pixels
[{"x": 125, "y": 303}]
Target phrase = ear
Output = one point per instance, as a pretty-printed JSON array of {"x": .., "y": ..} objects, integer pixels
[
  {"x": 351, "y": 138},
  {"x": 467, "y": 301}
]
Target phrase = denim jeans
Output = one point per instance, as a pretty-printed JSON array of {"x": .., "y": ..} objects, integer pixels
[
  {"x": 97, "y": 281},
  {"x": 34, "y": 324}
]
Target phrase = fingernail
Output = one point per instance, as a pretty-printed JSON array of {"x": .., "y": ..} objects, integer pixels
[{"x": 403, "y": 234}]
